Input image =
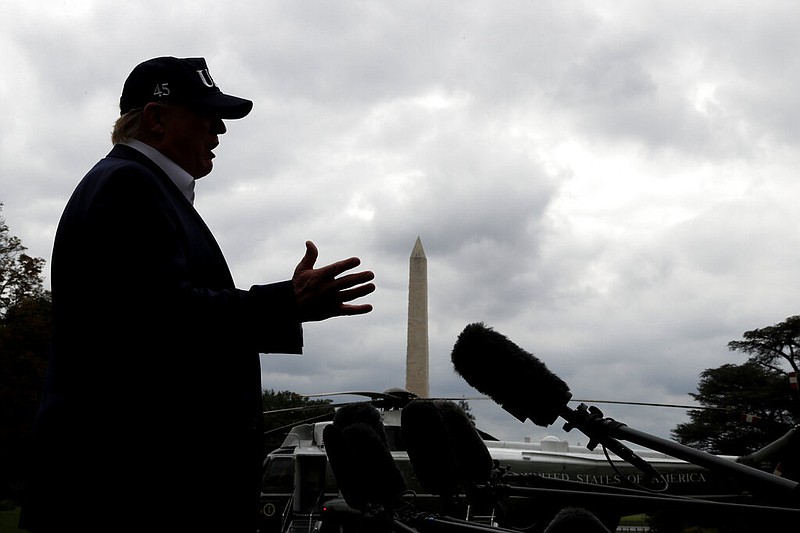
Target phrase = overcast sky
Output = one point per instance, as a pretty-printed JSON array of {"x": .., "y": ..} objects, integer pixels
[{"x": 611, "y": 184}]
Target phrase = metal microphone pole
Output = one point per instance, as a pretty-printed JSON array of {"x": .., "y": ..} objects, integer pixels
[{"x": 590, "y": 420}]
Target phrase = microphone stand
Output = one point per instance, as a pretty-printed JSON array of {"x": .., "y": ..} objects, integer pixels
[{"x": 606, "y": 431}]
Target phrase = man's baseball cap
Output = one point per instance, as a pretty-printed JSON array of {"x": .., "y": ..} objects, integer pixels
[{"x": 180, "y": 80}]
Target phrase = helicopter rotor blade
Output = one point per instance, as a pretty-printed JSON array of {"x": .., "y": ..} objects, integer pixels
[
  {"x": 643, "y": 404},
  {"x": 648, "y": 404},
  {"x": 307, "y": 408},
  {"x": 399, "y": 397},
  {"x": 368, "y": 394}
]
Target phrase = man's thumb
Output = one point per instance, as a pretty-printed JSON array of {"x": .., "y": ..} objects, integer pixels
[{"x": 310, "y": 257}]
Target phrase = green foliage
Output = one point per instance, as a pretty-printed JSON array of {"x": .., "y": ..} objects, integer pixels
[
  {"x": 284, "y": 409},
  {"x": 25, "y": 309},
  {"x": 759, "y": 387},
  {"x": 464, "y": 404},
  {"x": 773, "y": 346},
  {"x": 732, "y": 391},
  {"x": 20, "y": 274}
]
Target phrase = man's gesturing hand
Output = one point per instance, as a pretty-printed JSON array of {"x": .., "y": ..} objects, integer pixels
[{"x": 320, "y": 294}]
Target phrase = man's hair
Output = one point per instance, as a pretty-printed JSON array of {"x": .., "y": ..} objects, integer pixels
[{"x": 128, "y": 126}]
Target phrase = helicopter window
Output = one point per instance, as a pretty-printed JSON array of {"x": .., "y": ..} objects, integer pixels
[
  {"x": 279, "y": 475},
  {"x": 394, "y": 438}
]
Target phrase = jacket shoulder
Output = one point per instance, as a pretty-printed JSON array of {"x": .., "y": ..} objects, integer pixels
[
  {"x": 123, "y": 169},
  {"x": 125, "y": 157}
]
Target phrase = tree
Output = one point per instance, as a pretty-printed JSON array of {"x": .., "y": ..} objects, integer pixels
[
  {"x": 729, "y": 392},
  {"x": 776, "y": 348},
  {"x": 464, "y": 405},
  {"x": 760, "y": 387},
  {"x": 285, "y": 409},
  {"x": 773, "y": 346},
  {"x": 20, "y": 274},
  {"x": 24, "y": 340}
]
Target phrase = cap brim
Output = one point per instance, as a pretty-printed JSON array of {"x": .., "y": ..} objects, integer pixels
[{"x": 225, "y": 106}]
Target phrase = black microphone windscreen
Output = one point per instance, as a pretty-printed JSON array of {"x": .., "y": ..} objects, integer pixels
[
  {"x": 343, "y": 465},
  {"x": 359, "y": 413},
  {"x": 512, "y": 377},
  {"x": 379, "y": 473},
  {"x": 575, "y": 520},
  {"x": 429, "y": 449},
  {"x": 363, "y": 466},
  {"x": 472, "y": 456}
]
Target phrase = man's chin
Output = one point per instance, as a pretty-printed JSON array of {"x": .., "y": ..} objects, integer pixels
[{"x": 205, "y": 171}]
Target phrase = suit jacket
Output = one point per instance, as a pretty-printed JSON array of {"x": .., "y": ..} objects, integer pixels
[{"x": 151, "y": 413}]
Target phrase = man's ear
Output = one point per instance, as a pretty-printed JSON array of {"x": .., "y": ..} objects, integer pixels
[{"x": 154, "y": 116}]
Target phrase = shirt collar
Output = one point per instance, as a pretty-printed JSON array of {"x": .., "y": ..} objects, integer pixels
[{"x": 182, "y": 179}]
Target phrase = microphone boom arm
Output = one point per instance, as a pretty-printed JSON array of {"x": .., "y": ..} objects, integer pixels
[
  {"x": 590, "y": 421},
  {"x": 604, "y": 430}
]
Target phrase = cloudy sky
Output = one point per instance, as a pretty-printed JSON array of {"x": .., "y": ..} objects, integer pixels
[{"x": 611, "y": 184}]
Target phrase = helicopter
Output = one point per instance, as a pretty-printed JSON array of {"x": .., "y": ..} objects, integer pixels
[{"x": 538, "y": 479}]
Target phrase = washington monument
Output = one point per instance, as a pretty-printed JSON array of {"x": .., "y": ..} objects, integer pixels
[{"x": 417, "y": 347}]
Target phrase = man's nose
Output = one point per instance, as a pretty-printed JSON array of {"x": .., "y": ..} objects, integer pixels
[{"x": 218, "y": 126}]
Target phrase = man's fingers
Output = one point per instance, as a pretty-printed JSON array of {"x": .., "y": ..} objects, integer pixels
[
  {"x": 356, "y": 292},
  {"x": 324, "y": 292},
  {"x": 350, "y": 310},
  {"x": 334, "y": 269},
  {"x": 351, "y": 280}
]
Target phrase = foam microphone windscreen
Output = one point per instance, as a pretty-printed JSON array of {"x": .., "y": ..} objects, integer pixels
[
  {"x": 363, "y": 466},
  {"x": 575, "y": 520},
  {"x": 429, "y": 448},
  {"x": 361, "y": 413},
  {"x": 512, "y": 377},
  {"x": 342, "y": 460},
  {"x": 377, "y": 469},
  {"x": 472, "y": 456}
]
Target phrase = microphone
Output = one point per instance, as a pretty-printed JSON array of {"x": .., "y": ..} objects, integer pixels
[
  {"x": 429, "y": 447},
  {"x": 446, "y": 453},
  {"x": 572, "y": 519},
  {"x": 360, "y": 460},
  {"x": 342, "y": 460},
  {"x": 362, "y": 413},
  {"x": 497, "y": 367},
  {"x": 472, "y": 456},
  {"x": 525, "y": 387}
]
